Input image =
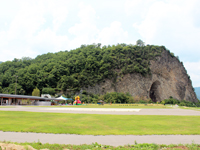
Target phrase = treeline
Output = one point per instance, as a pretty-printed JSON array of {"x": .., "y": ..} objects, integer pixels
[
  {"x": 112, "y": 97},
  {"x": 117, "y": 98},
  {"x": 173, "y": 101},
  {"x": 82, "y": 67}
]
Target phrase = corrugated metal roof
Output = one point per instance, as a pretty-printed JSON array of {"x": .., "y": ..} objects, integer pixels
[
  {"x": 25, "y": 97},
  {"x": 21, "y": 96}
]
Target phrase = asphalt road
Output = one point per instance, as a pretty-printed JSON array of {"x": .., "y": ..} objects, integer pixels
[{"x": 114, "y": 140}]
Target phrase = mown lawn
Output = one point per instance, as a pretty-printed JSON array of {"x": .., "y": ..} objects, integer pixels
[{"x": 93, "y": 124}]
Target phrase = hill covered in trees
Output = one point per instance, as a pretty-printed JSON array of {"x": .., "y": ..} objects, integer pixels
[{"x": 81, "y": 67}]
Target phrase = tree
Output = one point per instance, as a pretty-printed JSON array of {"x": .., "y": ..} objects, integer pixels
[
  {"x": 50, "y": 91},
  {"x": 36, "y": 92},
  {"x": 1, "y": 87},
  {"x": 139, "y": 43}
]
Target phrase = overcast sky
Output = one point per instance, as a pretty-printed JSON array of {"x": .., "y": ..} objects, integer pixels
[{"x": 34, "y": 27}]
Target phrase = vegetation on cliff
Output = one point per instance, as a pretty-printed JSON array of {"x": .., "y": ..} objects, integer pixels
[{"x": 82, "y": 67}]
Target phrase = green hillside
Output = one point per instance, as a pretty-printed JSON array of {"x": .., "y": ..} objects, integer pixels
[
  {"x": 86, "y": 65},
  {"x": 197, "y": 91}
]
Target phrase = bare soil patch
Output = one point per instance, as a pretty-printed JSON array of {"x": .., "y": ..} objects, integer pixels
[{"x": 8, "y": 146}]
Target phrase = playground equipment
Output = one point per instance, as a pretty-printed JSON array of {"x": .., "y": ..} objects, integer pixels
[{"x": 77, "y": 101}]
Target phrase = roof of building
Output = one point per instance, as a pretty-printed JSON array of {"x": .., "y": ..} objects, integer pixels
[{"x": 25, "y": 97}]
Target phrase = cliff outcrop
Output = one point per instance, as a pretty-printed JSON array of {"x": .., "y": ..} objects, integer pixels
[{"x": 168, "y": 78}]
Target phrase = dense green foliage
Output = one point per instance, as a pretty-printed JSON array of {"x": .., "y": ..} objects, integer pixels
[
  {"x": 50, "y": 91},
  {"x": 113, "y": 97},
  {"x": 173, "y": 101},
  {"x": 84, "y": 66}
]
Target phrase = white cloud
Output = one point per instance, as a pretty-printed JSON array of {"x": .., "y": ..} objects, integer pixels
[
  {"x": 137, "y": 8},
  {"x": 87, "y": 13},
  {"x": 170, "y": 24},
  {"x": 193, "y": 69},
  {"x": 25, "y": 30},
  {"x": 47, "y": 39},
  {"x": 59, "y": 12},
  {"x": 113, "y": 34},
  {"x": 85, "y": 32}
]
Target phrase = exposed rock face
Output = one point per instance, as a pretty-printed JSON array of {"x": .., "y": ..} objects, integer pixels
[{"x": 168, "y": 78}]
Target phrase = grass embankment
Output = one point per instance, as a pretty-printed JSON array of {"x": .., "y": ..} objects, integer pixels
[
  {"x": 190, "y": 108},
  {"x": 145, "y": 146},
  {"x": 93, "y": 124},
  {"x": 151, "y": 106},
  {"x": 7, "y": 106}
]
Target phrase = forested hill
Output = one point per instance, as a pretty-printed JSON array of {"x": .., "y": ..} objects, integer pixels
[
  {"x": 0, "y": 62},
  {"x": 77, "y": 68}
]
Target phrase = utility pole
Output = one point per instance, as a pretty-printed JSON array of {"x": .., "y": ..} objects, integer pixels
[{"x": 16, "y": 84}]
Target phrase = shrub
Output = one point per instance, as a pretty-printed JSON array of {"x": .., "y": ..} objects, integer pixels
[
  {"x": 182, "y": 104},
  {"x": 150, "y": 101},
  {"x": 36, "y": 92},
  {"x": 142, "y": 101},
  {"x": 171, "y": 100},
  {"x": 172, "y": 54}
]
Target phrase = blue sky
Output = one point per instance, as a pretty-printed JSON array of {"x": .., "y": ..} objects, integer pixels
[{"x": 30, "y": 28}]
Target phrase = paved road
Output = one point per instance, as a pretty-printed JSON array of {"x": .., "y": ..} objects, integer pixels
[
  {"x": 114, "y": 140},
  {"x": 176, "y": 111}
]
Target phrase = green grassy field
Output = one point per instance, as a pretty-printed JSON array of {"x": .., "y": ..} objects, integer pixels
[
  {"x": 7, "y": 106},
  {"x": 93, "y": 124},
  {"x": 154, "y": 106},
  {"x": 191, "y": 108}
]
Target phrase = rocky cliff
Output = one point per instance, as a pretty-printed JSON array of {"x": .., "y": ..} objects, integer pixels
[{"x": 168, "y": 78}]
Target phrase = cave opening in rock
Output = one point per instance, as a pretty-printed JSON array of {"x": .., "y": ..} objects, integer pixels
[{"x": 154, "y": 91}]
